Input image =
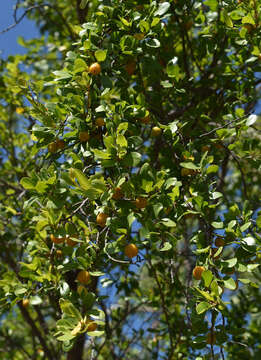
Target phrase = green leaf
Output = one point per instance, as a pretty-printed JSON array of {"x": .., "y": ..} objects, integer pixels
[
  {"x": 212, "y": 169},
  {"x": 189, "y": 165},
  {"x": 28, "y": 183},
  {"x": 217, "y": 225},
  {"x": 245, "y": 226},
  {"x": 248, "y": 19},
  {"x": 168, "y": 222},
  {"x": 62, "y": 75},
  {"x": 167, "y": 246},
  {"x": 202, "y": 307},
  {"x": 227, "y": 19},
  {"x": 66, "y": 337},
  {"x": 207, "y": 277},
  {"x": 121, "y": 140},
  {"x": 69, "y": 309},
  {"x": 100, "y": 55},
  {"x": 230, "y": 284},
  {"x": 83, "y": 4},
  {"x": 205, "y": 294},
  {"x": 162, "y": 9}
]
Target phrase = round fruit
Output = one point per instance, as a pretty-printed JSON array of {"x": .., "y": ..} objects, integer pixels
[
  {"x": 219, "y": 242},
  {"x": 101, "y": 219},
  {"x": 59, "y": 253},
  {"x": 99, "y": 122},
  {"x": 130, "y": 67},
  {"x": 117, "y": 195},
  {"x": 91, "y": 326},
  {"x": 155, "y": 131},
  {"x": 95, "y": 68},
  {"x": 25, "y": 302},
  {"x": 141, "y": 202},
  {"x": 84, "y": 136},
  {"x": 131, "y": 250},
  {"x": 211, "y": 338},
  {"x": 57, "y": 240},
  {"x": 60, "y": 144},
  {"x": 197, "y": 272},
  {"x": 145, "y": 119},
  {"x": 52, "y": 147},
  {"x": 70, "y": 241},
  {"x": 83, "y": 277}
]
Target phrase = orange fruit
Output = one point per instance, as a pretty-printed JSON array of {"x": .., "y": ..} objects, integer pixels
[
  {"x": 60, "y": 144},
  {"x": 155, "y": 131},
  {"x": 83, "y": 277},
  {"x": 141, "y": 202},
  {"x": 219, "y": 242},
  {"x": 57, "y": 240},
  {"x": 95, "y": 68},
  {"x": 211, "y": 338},
  {"x": 25, "y": 303},
  {"x": 84, "y": 136},
  {"x": 91, "y": 326},
  {"x": 197, "y": 272},
  {"x": 99, "y": 122},
  {"x": 130, "y": 67},
  {"x": 117, "y": 195},
  {"x": 131, "y": 250},
  {"x": 101, "y": 219}
]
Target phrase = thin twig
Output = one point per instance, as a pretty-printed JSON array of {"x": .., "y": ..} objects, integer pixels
[{"x": 227, "y": 124}]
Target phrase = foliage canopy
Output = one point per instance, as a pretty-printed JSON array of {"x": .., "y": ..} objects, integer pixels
[{"x": 130, "y": 182}]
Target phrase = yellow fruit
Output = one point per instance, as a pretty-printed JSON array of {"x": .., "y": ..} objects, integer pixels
[
  {"x": 141, "y": 202},
  {"x": 70, "y": 241},
  {"x": 60, "y": 144},
  {"x": 25, "y": 303},
  {"x": 91, "y": 326},
  {"x": 83, "y": 277},
  {"x": 52, "y": 147},
  {"x": 145, "y": 119},
  {"x": 57, "y": 240},
  {"x": 59, "y": 253},
  {"x": 130, "y": 67},
  {"x": 101, "y": 219},
  {"x": 219, "y": 242},
  {"x": 211, "y": 338},
  {"x": 19, "y": 110},
  {"x": 131, "y": 250},
  {"x": 117, "y": 195},
  {"x": 84, "y": 136},
  {"x": 197, "y": 272},
  {"x": 95, "y": 68},
  {"x": 99, "y": 122},
  {"x": 156, "y": 131}
]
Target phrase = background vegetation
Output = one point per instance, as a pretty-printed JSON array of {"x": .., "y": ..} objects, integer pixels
[{"x": 130, "y": 189}]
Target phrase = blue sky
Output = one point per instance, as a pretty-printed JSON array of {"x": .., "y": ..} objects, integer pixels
[{"x": 8, "y": 40}]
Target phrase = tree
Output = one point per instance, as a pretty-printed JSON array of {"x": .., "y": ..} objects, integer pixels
[{"x": 130, "y": 173}]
